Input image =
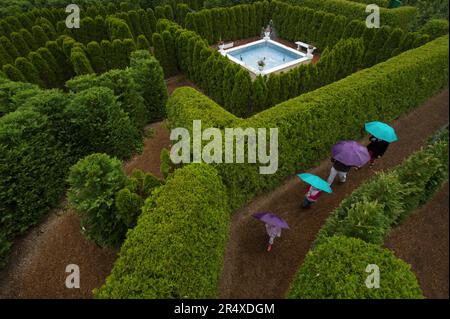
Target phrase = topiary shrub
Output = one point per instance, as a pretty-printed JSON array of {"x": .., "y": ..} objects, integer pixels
[
  {"x": 435, "y": 28},
  {"x": 130, "y": 199},
  {"x": 31, "y": 174},
  {"x": 148, "y": 73},
  {"x": 336, "y": 269},
  {"x": 93, "y": 182},
  {"x": 176, "y": 250},
  {"x": 80, "y": 62},
  {"x": 8, "y": 94},
  {"x": 98, "y": 124},
  {"x": 128, "y": 206}
]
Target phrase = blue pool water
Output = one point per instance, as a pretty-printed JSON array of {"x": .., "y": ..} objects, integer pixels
[{"x": 273, "y": 55}]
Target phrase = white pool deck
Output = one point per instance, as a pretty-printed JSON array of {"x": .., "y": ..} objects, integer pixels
[{"x": 302, "y": 58}]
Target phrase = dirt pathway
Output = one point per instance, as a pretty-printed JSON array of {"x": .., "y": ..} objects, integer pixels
[
  {"x": 422, "y": 241},
  {"x": 37, "y": 265},
  {"x": 250, "y": 271},
  {"x": 149, "y": 160}
]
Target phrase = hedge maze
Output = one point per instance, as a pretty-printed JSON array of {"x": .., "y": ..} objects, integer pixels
[{"x": 53, "y": 76}]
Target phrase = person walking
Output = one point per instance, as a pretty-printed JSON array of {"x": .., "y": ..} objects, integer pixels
[
  {"x": 273, "y": 232},
  {"x": 312, "y": 195},
  {"x": 381, "y": 136},
  {"x": 315, "y": 188},
  {"x": 273, "y": 224},
  {"x": 338, "y": 169},
  {"x": 377, "y": 147},
  {"x": 345, "y": 155}
]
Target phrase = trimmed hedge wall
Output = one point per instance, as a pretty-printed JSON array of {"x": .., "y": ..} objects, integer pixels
[
  {"x": 228, "y": 84},
  {"x": 435, "y": 28},
  {"x": 389, "y": 197},
  {"x": 320, "y": 118},
  {"x": 108, "y": 201},
  {"x": 176, "y": 250},
  {"x": 336, "y": 269},
  {"x": 402, "y": 17},
  {"x": 67, "y": 127}
]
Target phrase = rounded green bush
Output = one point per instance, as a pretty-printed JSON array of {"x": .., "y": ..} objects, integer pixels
[
  {"x": 176, "y": 250},
  {"x": 336, "y": 269},
  {"x": 94, "y": 181}
]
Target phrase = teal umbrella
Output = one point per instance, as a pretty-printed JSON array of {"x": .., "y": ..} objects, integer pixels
[
  {"x": 382, "y": 131},
  {"x": 315, "y": 181}
]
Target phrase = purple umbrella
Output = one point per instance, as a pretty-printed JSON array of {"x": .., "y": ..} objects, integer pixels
[
  {"x": 271, "y": 219},
  {"x": 350, "y": 153}
]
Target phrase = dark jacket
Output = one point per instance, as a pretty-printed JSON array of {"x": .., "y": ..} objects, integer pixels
[
  {"x": 339, "y": 166},
  {"x": 377, "y": 147}
]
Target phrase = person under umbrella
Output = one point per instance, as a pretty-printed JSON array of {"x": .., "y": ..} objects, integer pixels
[
  {"x": 381, "y": 137},
  {"x": 315, "y": 188},
  {"x": 274, "y": 225},
  {"x": 345, "y": 155}
]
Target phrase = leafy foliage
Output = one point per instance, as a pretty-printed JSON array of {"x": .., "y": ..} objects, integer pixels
[
  {"x": 94, "y": 182},
  {"x": 336, "y": 269},
  {"x": 178, "y": 231}
]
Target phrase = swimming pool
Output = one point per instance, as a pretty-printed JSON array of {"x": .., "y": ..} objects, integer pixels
[{"x": 277, "y": 57}]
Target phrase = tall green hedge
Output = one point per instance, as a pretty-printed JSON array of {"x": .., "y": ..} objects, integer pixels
[
  {"x": 392, "y": 196},
  {"x": 320, "y": 118},
  {"x": 176, "y": 250},
  {"x": 402, "y": 17},
  {"x": 336, "y": 269},
  {"x": 33, "y": 165}
]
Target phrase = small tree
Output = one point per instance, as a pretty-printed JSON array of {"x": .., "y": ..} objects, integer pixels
[
  {"x": 259, "y": 94},
  {"x": 13, "y": 73},
  {"x": 45, "y": 72},
  {"x": 10, "y": 49},
  {"x": 108, "y": 54},
  {"x": 80, "y": 62},
  {"x": 96, "y": 57},
  {"x": 142, "y": 43},
  {"x": 119, "y": 29},
  {"x": 29, "y": 71},
  {"x": 40, "y": 37},
  {"x": 241, "y": 94},
  {"x": 169, "y": 46},
  {"x": 160, "y": 13},
  {"x": 392, "y": 43},
  {"x": 28, "y": 38},
  {"x": 94, "y": 182},
  {"x": 168, "y": 12},
  {"x": 20, "y": 43}
]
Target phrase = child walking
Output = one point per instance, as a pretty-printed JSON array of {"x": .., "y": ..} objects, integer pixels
[
  {"x": 273, "y": 232},
  {"x": 312, "y": 195}
]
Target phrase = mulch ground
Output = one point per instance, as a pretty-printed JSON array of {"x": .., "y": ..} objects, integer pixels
[
  {"x": 251, "y": 272},
  {"x": 422, "y": 241}
]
